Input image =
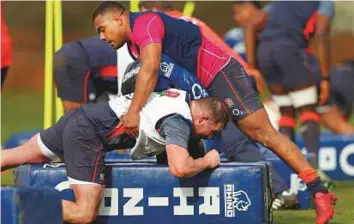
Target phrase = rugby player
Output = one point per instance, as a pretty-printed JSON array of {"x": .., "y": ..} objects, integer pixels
[
  {"x": 243, "y": 12},
  {"x": 84, "y": 72},
  {"x": 149, "y": 34},
  {"x": 291, "y": 26},
  {"x": 83, "y": 135}
]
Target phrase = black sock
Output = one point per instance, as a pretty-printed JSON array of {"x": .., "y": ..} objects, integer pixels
[
  {"x": 316, "y": 186},
  {"x": 288, "y": 131},
  {"x": 310, "y": 131}
]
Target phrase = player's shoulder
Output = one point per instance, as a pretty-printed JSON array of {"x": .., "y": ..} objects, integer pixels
[{"x": 146, "y": 16}]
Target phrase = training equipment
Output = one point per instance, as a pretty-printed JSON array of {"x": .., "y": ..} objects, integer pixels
[
  {"x": 53, "y": 36},
  {"x": 146, "y": 192},
  {"x": 29, "y": 205},
  {"x": 335, "y": 156},
  {"x": 189, "y": 8}
]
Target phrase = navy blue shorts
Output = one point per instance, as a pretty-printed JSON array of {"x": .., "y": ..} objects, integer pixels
[
  {"x": 238, "y": 89},
  {"x": 75, "y": 80},
  {"x": 74, "y": 140},
  {"x": 80, "y": 142},
  {"x": 283, "y": 64}
]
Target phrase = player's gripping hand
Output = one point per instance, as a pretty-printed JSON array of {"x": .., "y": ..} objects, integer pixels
[
  {"x": 213, "y": 157},
  {"x": 131, "y": 123},
  {"x": 324, "y": 207}
]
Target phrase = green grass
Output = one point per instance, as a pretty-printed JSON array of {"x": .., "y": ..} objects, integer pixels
[
  {"x": 24, "y": 112},
  {"x": 344, "y": 211},
  {"x": 20, "y": 111}
]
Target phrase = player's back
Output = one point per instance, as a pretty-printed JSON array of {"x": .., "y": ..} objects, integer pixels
[
  {"x": 181, "y": 39},
  {"x": 98, "y": 52},
  {"x": 184, "y": 43},
  {"x": 210, "y": 34},
  {"x": 293, "y": 21}
]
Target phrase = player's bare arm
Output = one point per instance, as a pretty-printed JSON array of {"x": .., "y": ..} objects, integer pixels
[
  {"x": 254, "y": 26},
  {"x": 182, "y": 165},
  {"x": 145, "y": 84},
  {"x": 322, "y": 36}
]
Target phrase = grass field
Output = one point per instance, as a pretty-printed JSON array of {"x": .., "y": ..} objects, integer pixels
[{"x": 23, "y": 112}]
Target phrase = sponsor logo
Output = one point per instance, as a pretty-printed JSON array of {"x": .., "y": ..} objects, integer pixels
[
  {"x": 236, "y": 112},
  {"x": 198, "y": 92},
  {"x": 131, "y": 73},
  {"x": 170, "y": 93},
  {"x": 229, "y": 102},
  {"x": 167, "y": 68},
  {"x": 238, "y": 200}
]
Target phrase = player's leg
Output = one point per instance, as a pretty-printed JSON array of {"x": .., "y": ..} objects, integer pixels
[
  {"x": 30, "y": 152},
  {"x": 87, "y": 200},
  {"x": 309, "y": 118},
  {"x": 300, "y": 81},
  {"x": 248, "y": 113},
  {"x": 84, "y": 161},
  {"x": 287, "y": 121},
  {"x": 233, "y": 85},
  {"x": 332, "y": 118},
  {"x": 43, "y": 147},
  {"x": 266, "y": 58},
  {"x": 73, "y": 78}
]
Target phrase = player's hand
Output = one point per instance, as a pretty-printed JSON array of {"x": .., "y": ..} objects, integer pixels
[
  {"x": 213, "y": 158},
  {"x": 131, "y": 123},
  {"x": 325, "y": 88},
  {"x": 260, "y": 82}
]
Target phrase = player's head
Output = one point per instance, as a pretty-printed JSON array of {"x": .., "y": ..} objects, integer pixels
[
  {"x": 210, "y": 115},
  {"x": 112, "y": 23},
  {"x": 243, "y": 11}
]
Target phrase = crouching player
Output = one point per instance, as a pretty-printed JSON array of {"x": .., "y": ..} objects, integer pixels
[
  {"x": 83, "y": 135},
  {"x": 85, "y": 71}
]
